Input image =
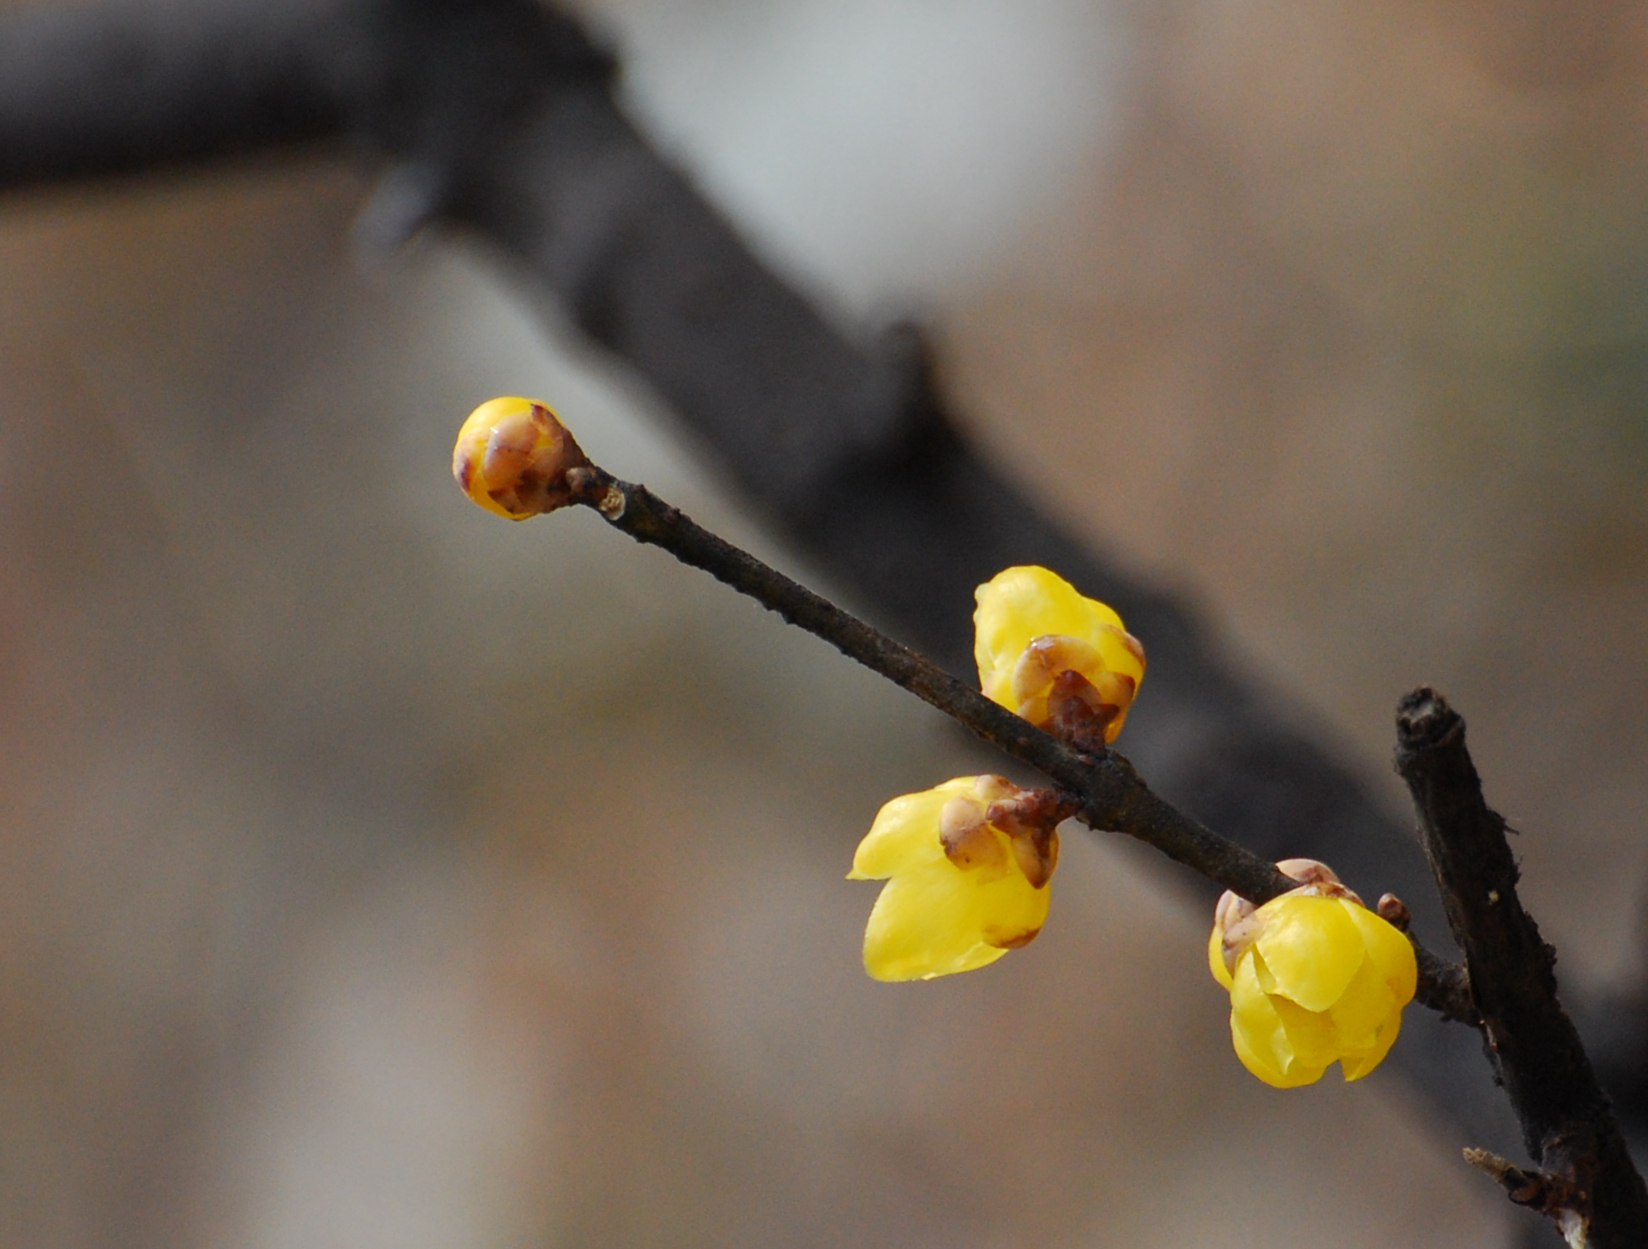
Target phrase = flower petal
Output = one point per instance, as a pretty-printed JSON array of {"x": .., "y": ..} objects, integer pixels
[
  {"x": 1280, "y": 1046},
  {"x": 1357, "y": 1066},
  {"x": 1311, "y": 948},
  {"x": 906, "y": 832},
  {"x": 934, "y": 919},
  {"x": 1389, "y": 950},
  {"x": 1216, "y": 957},
  {"x": 1366, "y": 1006}
]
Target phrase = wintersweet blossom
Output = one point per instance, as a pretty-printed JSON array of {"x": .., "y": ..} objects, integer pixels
[
  {"x": 1033, "y": 629},
  {"x": 1314, "y": 978},
  {"x": 961, "y": 889},
  {"x": 512, "y": 456}
]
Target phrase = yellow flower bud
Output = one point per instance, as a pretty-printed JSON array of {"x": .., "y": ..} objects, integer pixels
[
  {"x": 1314, "y": 978},
  {"x": 1033, "y": 629},
  {"x": 512, "y": 457},
  {"x": 961, "y": 891}
]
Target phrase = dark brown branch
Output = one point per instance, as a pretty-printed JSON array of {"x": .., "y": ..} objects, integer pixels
[
  {"x": 1108, "y": 793},
  {"x": 1567, "y": 1122}
]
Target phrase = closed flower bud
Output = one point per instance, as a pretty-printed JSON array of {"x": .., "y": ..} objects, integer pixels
[
  {"x": 1314, "y": 977},
  {"x": 961, "y": 890},
  {"x": 512, "y": 457},
  {"x": 1051, "y": 655}
]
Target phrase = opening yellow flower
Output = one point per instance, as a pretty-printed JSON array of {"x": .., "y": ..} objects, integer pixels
[
  {"x": 1314, "y": 977},
  {"x": 961, "y": 891},
  {"x": 1033, "y": 628}
]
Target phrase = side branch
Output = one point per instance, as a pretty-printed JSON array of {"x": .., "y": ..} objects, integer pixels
[
  {"x": 1107, "y": 792},
  {"x": 1568, "y": 1125}
]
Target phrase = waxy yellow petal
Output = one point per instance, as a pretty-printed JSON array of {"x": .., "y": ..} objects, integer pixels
[
  {"x": 1362, "y": 1010},
  {"x": 934, "y": 920},
  {"x": 1216, "y": 957},
  {"x": 1312, "y": 949},
  {"x": 1276, "y": 1041},
  {"x": 902, "y": 834},
  {"x": 1390, "y": 951},
  {"x": 1355, "y": 1067}
]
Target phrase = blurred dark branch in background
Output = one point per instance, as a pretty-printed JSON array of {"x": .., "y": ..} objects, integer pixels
[{"x": 500, "y": 116}]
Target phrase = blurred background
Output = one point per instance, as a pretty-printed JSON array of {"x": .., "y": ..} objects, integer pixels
[{"x": 375, "y": 873}]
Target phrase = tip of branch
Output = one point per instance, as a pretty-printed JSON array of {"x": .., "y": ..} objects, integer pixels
[{"x": 1424, "y": 719}]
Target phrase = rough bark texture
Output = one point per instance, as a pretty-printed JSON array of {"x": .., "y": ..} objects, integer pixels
[{"x": 1568, "y": 1124}]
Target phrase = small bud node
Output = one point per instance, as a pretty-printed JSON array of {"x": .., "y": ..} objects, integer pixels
[{"x": 1394, "y": 912}]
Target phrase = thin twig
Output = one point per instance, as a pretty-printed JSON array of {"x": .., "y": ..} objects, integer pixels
[
  {"x": 1108, "y": 792},
  {"x": 1567, "y": 1122}
]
